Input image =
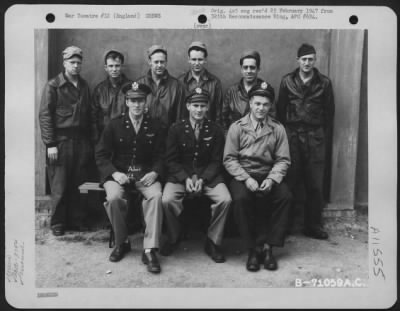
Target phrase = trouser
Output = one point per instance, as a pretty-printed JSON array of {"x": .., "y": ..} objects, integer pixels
[
  {"x": 172, "y": 203},
  {"x": 65, "y": 176},
  {"x": 261, "y": 219},
  {"x": 117, "y": 210},
  {"x": 307, "y": 152}
]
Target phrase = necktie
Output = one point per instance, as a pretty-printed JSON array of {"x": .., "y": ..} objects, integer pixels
[
  {"x": 259, "y": 126},
  {"x": 197, "y": 130},
  {"x": 136, "y": 126}
]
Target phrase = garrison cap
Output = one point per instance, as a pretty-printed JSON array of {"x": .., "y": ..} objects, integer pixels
[
  {"x": 199, "y": 45},
  {"x": 156, "y": 48},
  {"x": 198, "y": 95},
  {"x": 262, "y": 89},
  {"x": 305, "y": 49},
  {"x": 135, "y": 90},
  {"x": 108, "y": 52},
  {"x": 251, "y": 54},
  {"x": 72, "y": 51}
]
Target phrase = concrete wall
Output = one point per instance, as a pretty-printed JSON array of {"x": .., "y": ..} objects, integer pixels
[{"x": 277, "y": 48}]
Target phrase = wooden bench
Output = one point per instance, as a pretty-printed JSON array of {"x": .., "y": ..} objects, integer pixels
[{"x": 95, "y": 186}]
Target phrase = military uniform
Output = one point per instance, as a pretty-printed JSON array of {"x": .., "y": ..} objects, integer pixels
[
  {"x": 66, "y": 122},
  {"x": 187, "y": 156},
  {"x": 306, "y": 110},
  {"x": 119, "y": 148}
]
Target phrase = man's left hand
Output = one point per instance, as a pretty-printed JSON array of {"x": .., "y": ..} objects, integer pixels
[
  {"x": 266, "y": 185},
  {"x": 149, "y": 179},
  {"x": 198, "y": 186}
]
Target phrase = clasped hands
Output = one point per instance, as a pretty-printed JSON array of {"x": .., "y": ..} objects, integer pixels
[
  {"x": 147, "y": 180},
  {"x": 265, "y": 186},
  {"x": 194, "y": 184}
]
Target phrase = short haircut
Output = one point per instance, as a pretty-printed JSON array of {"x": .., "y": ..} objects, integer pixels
[
  {"x": 258, "y": 61},
  {"x": 114, "y": 55},
  {"x": 196, "y": 48}
]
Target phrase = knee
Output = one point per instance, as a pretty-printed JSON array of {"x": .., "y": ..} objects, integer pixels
[
  {"x": 166, "y": 199},
  {"x": 156, "y": 196},
  {"x": 226, "y": 200},
  {"x": 113, "y": 197}
]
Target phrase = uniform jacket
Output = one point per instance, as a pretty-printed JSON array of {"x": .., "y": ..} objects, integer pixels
[
  {"x": 235, "y": 104},
  {"x": 263, "y": 156},
  {"x": 166, "y": 100},
  {"x": 306, "y": 104},
  {"x": 120, "y": 146},
  {"x": 108, "y": 102},
  {"x": 185, "y": 156},
  {"x": 207, "y": 82},
  {"x": 64, "y": 106}
]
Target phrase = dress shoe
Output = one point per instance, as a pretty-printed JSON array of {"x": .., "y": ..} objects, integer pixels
[
  {"x": 260, "y": 253},
  {"x": 252, "y": 261},
  {"x": 214, "y": 251},
  {"x": 269, "y": 260},
  {"x": 151, "y": 260},
  {"x": 168, "y": 248},
  {"x": 316, "y": 233},
  {"x": 119, "y": 251},
  {"x": 58, "y": 230}
]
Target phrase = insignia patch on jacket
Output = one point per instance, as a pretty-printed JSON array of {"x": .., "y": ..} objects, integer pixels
[
  {"x": 150, "y": 135},
  {"x": 207, "y": 138}
]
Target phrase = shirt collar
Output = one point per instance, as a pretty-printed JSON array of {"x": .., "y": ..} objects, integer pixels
[
  {"x": 255, "y": 122},
  {"x": 203, "y": 76},
  {"x": 134, "y": 120},
  {"x": 163, "y": 77},
  {"x": 64, "y": 79},
  {"x": 192, "y": 123}
]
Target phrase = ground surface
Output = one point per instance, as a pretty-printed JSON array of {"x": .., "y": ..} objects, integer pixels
[{"x": 80, "y": 259}]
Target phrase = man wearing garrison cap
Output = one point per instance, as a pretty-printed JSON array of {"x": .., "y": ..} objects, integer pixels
[
  {"x": 257, "y": 156},
  {"x": 167, "y": 94},
  {"x": 66, "y": 124},
  {"x": 194, "y": 163},
  {"x": 129, "y": 154},
  {"x": 306, "y": 108},
  {"x": 236, "y": 99},
  {"x": 199, "y": 76},
  {"x": 108, "y": 100}
]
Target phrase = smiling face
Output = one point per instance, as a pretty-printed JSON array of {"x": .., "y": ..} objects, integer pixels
[
  {"x": 197, "y": 61},
  {"x": 307, "y": 63},
  {"x": 113, "y": 67},
  {"x": 158, "y": 63},
  {"x": 197, "y": 111},
  {"x": 259, "y": 107},
  {"x": 249, "y": 70},
  {"x": 136, "y": 106},
  {"x": 73, "y": 65}
]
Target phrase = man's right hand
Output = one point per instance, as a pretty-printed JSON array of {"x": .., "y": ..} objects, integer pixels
[
  {"x": 251, "y": 184},
  {"x": 120, "y": 178},
  {"x": 52, "y": 153},
  {"x": 189, "y": 185}
]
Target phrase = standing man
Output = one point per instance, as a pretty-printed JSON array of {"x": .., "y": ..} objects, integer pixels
[
  {"x": 194, "y": 162},
  {"x": 198, "y": 76},
  {"x": 236, "y": 99},
  {"x": 306, "y": 108},
  {"x": 167, "y": 93},
  {"x": 66, "y": 127},
  {"x": 257, "y": 156},
  {"x": 129, "y": 154},
  {"x": 108, "y": 101}
]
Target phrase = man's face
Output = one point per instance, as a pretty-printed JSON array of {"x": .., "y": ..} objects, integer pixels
[
  {"x": 259, "y": 107},
  {"x": 197, "y": 60},
  {"x": 307, "y": 62},
  {"x": 113, "y": 67},
  {"x": 73, "y": 65},
  {"x": 136, "y": 106},
  {"x": 197, "y": 111},
  {"x": 158, "y": 63},
  {"x": 249, "y": 70}
]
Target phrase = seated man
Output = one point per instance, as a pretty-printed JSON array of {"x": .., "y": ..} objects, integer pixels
[
  {"x": 194, "y": 162},
  {"x": 129, "y": 154},
  {"x": 257, "y": 156}
]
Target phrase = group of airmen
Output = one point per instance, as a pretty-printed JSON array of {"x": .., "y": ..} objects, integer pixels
[{"x": 171, "y": 138}]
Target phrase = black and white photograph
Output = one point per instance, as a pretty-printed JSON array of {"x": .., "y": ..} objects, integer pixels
[{"x": 196, "y": 156}]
